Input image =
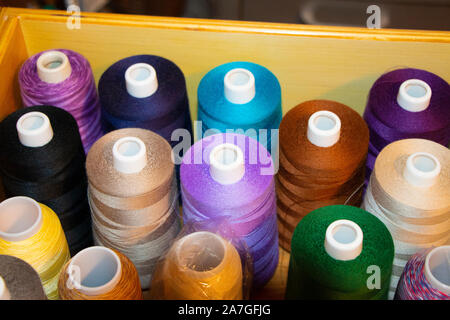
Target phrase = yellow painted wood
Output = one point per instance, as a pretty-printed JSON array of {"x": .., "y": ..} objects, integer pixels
[{"x": 311, "y": 62}]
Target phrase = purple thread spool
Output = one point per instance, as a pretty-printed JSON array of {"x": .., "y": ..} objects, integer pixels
[{"x": 243, "y": 196}]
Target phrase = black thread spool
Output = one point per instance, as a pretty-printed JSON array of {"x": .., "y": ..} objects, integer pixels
[{"x": 42, "y": 157}]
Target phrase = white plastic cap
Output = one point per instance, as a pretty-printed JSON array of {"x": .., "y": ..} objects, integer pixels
[
  {"x": 129, "y": 155},
  {"x": 20, "y": 218},
  {"x": 34, "y": 129},
  {"x": 239, "y": 86},
  {"x": 343, "y": 240},
  {"x": 226, "y": 163},
  {"x": 437, "y": 269},
  {"x": 324, "y": 128},
  {"x": 141, "y": 80},
  {"x": 414, "y": 95},
  {"x": 94, "y": 271},
  {"x": 4, "y": 292},
  {"x": 422, "y": 169},
  {"x": 53, "y": 67}
]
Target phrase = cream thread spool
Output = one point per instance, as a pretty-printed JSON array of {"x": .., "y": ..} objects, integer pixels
[
  {"x": 437, "y": 269},
  {"x": 414, "y": 95},
  {"x": 324, "y": 129},
  {"x": 141, "y": 80},
  {"x": 422, "y": 169},
  {"x": 94, "y": 271},
  {"x": 4, "y": 292},
  {"x": 34, "y": 129},
  {"x": 239, "y": 86},
  {"x": 343, "y": 240},
  {"x": 53, "y": 67},
  {"x": 129, "y": 155},
  {"x": 226, "y": 163},
  {"x": 20, "y": 218}
]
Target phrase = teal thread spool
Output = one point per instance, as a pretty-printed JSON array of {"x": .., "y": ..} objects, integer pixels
[
  {"x": 240, "y": 95},
  {"x": 315, "y": 274}
]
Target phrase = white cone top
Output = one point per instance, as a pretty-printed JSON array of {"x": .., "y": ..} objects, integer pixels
[
  {"x": 94, "y": 271},
  {"x": 34, "y": 129},
  {"x": 129, "y": 155},
  {"x": 4, "y": 292},
  {"x": 422, "y": 169},
  {"x": 414, "y": 95},
  {"x": 343, "y": 240},
  {"x": 141, "y": 80},
  {"x": 239, "y": 86},
  {"x": 20, "y": 218},
  {"x": 201, "y": 252},
  {"x": 324, "y": 128},
  {"x": 226, "y": 163},
  {"x": 437, "y": 269},
  {"x": 53, "y": 67}
]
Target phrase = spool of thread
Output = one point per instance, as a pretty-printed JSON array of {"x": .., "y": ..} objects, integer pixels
[
  {"x": 426, "y": 276},
  {"x": 147, "y": 92},
  {"x": 240, "y": 95},
  {"x": 99, "y": 273},
  {"x": 228, "y": 178},
  {"x": 407, "y": 103},
  {"x": 32, "y": 232},
  {"x": 409, "y": 191},
  {"x": 335, "y": 250},
  {"x": 323, "y": 148},
  {"x": 133, "y": 196},
  {"x": 42, "y": 157},
  {"x": 19, "y": 281},
  {"x": 200, "y": 266},
  {"x": 64, "y": 79}
]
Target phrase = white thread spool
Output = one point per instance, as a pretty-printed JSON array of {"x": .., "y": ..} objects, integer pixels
[
  {"x": 141, "y": 80},
  {"x": 422, "y": 169},
  {"x": 226, "y": 163},
  {"x": 53, "y": 67},
  {"x": 4, "y": 292},
  {"x": 324, "y": 128},
  {"x": 414, "y": 95},
  {"x": 20, "y": 218},
  {"x": 239, "y": 86},
  {"x": 129, "y": 155},
  {"x": 343, "y": 240},
  {"x": 437, "y": 269},
  {"x": 202, "y": 252},
  {"x": 95, "y": 271},
  {"x": 34, "y": 129}
]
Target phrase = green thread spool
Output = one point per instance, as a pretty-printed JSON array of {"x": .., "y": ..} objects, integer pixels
[{"x": 314, "y": 274}]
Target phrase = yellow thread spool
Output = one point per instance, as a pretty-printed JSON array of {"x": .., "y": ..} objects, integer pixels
[
  {"x": 200, "y": 266},
  {"x": 32, "y": 232}
]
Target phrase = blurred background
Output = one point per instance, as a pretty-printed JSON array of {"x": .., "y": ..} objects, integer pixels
[{"x": 399, "y": 14}]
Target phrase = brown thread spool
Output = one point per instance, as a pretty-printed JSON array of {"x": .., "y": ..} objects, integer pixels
[
  {"x": 323, "y": 149},
  {"x": 99, "y": 273}
]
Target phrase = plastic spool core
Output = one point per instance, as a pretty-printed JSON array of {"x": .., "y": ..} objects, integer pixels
[
  {"x": 201, "y": 252},
  {"x": 141, "y": 80},
  {"x": 239, "y": 86},
  {"x": 422, "y": 169},
  {"x": 226, "y": 163},
  {"x": 129, "y": 155},
  {"x": 34, "y": 129},
  {"x": 53, "y": 67},
  {"x": 324, "y": 128},
  {"x": 20, "y": 218},
  {"x": 343, "y": 240},
  {"x": 4, "y": 292},
  {"x": 95, "y": 270},
  {"x": 414, "y": 95},
  {"x": 437, "y": 268}
]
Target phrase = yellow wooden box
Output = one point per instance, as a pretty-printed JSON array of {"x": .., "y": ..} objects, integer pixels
[{"x": 310, "y": 62}]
